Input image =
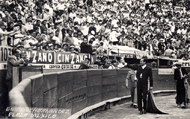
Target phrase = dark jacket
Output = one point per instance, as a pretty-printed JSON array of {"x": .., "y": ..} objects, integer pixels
[
  {"x": 146, "y": 73},
  {"x": 177, "y": 75},
  {"x": 12, "y": 61},
  {"x": 85, "y": 48}
]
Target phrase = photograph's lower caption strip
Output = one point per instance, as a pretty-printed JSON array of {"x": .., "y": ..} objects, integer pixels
[{"x": 43, "y": 113}]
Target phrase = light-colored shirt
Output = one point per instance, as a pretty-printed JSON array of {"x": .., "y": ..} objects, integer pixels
[
  {"x": 112, "y": 67},
  {"x": 143, "y": 66}
]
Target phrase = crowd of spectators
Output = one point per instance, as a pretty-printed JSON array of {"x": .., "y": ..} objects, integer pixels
[{"x": 93, "y": 26}]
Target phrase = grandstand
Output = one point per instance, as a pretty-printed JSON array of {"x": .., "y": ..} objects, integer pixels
[
  {"x": 147, "y": 25},
  {"x": 60, "y": 34}
]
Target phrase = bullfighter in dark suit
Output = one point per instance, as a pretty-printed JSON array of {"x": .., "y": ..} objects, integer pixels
[
  {"x": 180, "y": 74},
  {"x": 143, "y": 74}
]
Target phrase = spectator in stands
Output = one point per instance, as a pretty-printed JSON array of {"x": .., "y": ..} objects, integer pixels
[
  {"x": 122, "y": 63},
  {"x": 65, "y": 47},
  {"x": 85, "y": 47},
  {"x": 168, "y": 52},
  {"x": 185, "y": 57},
  {"x": 36, "y": 27},
  {"x": 114, "y": 65},
  {"x": 73, "y": 49},
  {"x": 4, "y": 33},
  {"x": 29, "y": 25},
  {"x": 161, "y": 46},
  {"x": 101, "y": 50},
  {"x": 121, "y": 22},
  {"x": 105, "y": 62},
  {"x": 85, "y": 64},
  {"x": 68, "y": 37},
  {"x": 113, "y": 36},
  {"x": 44, "y": 27},
  {"x": 173, "y": 55}
]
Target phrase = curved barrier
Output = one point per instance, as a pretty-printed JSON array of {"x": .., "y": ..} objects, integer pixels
[{"x": 79, "y": 90}]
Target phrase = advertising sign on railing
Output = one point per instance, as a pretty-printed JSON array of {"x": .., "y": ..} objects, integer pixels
[
  {"x": 40, "y": 57},
  {"x": 70, "y": 58},
  {"x": 185, "y": 63},
  {"x": 48, "y": 59}
]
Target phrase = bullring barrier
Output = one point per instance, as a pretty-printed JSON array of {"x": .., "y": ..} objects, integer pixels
[{"x": 79, "y": 91}]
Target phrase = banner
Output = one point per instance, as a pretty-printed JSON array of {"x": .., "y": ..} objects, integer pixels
[
  {"x": 125, "y": 55},
  {"x": 166, "y": 71},
  {"x": 140, "y": 54},
  {"x": 185, "y": 63},
  {"x": 57, "y": 66},
  {"x": 130, "y": 52},
  {"x": 70, "y": 58},
  {"x": 62, "y": 66},
  {"x": 49, "y": 59},
  {"x": 40, "y": 57}
]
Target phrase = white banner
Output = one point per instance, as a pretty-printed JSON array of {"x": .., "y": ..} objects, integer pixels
[
  {"x": 165, "y": 71},
  {"x": 185, "y": 63},
  {"x": 62, "y": 66}
]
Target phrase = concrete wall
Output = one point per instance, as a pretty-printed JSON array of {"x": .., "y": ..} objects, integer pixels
[{"x": 78, "y": 89}]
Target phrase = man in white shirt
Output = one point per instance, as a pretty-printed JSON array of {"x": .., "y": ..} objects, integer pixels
[
  {"x": 113, "y": 36},
  {"x": 84, "y": 29},
  {"x": 72, "y": 15},
  {"x": 114, "y": 65}
]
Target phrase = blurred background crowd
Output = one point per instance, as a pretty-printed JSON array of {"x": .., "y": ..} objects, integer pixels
[{"x": 94, "y": 26}]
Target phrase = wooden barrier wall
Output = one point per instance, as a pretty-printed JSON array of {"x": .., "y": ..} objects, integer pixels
[{"x": 78, "y": 89}]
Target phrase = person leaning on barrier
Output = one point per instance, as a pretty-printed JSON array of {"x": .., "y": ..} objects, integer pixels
[
  {"x": 121, "y": 63},
  {"x": 114, "y": 65},
  {"x": 85, "y": 64},
  {"x": 13, "y": 60},
  {"x": 131, "y": 76}
]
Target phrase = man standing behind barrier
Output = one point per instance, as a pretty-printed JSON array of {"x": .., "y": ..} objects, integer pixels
[
  {"x": 143, "y": 73},
  {"x": 114, "y": 65},
  {"x": 180, "y": 75},
  {"x": 133, "y": 79},
  {"x": 12, "y": 61},
  {"x": 85, "y": 64}
]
